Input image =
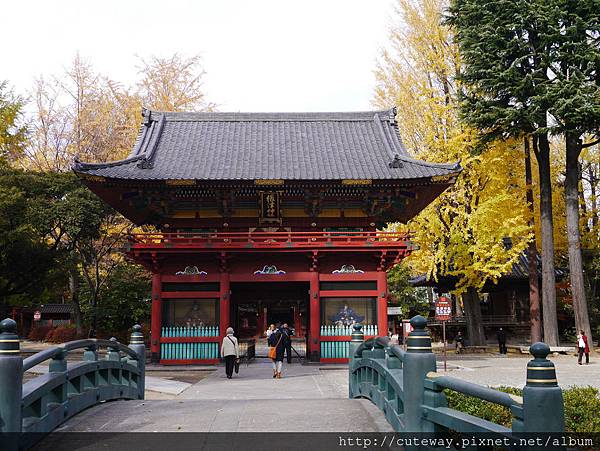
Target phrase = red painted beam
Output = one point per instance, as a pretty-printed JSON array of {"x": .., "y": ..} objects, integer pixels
[
  {"x": 224, "y": 320},
  {"x": 156, "y": 318},
  {"x": 382, "y": 302},
  {"x": 315, "y": 314}
]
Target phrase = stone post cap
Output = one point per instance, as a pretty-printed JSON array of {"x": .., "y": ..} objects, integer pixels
[
  {"x": 540, "y": 371},
  {"x": 9, "y": 340},
  {"x": 418, "y": 340},
  {"x": 357, "y": 333},
  {"x": 137, "y": 338}
]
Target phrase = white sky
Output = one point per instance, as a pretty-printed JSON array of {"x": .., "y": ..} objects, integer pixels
[{"x": 259, "y": 55}]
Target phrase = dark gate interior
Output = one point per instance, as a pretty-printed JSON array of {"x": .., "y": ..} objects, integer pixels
[{"x": 255, "y": 305}]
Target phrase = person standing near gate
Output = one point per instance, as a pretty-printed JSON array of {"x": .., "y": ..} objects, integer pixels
[
  {"x": 584, "y": 348},
  {"x": 230, "y": 351},
  {"x": 276, "y": 351},
  {"x": 501, "y": 334},
  {"x": 288, "y": 342}
]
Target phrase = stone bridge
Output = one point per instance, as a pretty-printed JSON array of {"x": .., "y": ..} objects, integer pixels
[{"x": 384, "y": 389}]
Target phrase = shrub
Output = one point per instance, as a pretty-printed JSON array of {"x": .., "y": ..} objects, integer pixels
[
  {"x": 581, "y": 409},
  {"x": 39, "y": 333},
  {"x": 483, "y": 409},
  {"x": 62, "y": 334},
  {"x": 582, "y": 405}
]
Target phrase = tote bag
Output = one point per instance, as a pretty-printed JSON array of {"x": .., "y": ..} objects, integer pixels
[{"x": 273, "y": 349}]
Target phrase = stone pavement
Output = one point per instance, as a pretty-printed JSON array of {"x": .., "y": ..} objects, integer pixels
[
  {"x": 494, "y": 370},
  {"x": 307, "y": 398}
]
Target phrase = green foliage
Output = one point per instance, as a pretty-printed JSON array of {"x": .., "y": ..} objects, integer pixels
[
  {"x": 26, "y": 260},
  {"x": 483, "y": 409},
  {"x": 124, "y": 299},
  {"x": 407, "y": 296},
  {"x": 582, "y": 405}
]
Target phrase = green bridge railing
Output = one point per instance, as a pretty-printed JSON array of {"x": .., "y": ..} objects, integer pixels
[
  {"x": 29, "y": 411},
  {"x": 405, "y": 386}
]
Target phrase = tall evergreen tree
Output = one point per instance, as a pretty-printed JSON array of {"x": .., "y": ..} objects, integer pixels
[
  {"x": 507, "y": 84},
  {"x": 575, "y": 110}
]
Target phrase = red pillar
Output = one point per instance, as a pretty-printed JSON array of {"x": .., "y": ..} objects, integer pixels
[
  {"x": 315, "y": 315},
  {"x": 382, "y": 323},
  {"x": 156, "y": 319},
  {"x": 224, "y": 320}
]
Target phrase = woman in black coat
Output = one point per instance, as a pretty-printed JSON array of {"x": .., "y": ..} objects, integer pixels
[{"x": 278, "y": 340}]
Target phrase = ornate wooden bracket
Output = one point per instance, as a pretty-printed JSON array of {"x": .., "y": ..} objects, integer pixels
[
  {"x": 382, "y": 261},
  {"x": 314, "y": 261},
  {"x": 223, "y": 262}
]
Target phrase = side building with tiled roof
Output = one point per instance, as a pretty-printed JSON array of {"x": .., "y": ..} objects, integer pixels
[{"x": 293, "y": 199}]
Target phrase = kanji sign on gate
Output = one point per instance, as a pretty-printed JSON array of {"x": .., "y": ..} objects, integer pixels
[
  {"x": 443, "y": 309},
  {"x": 37, "y": 315}
]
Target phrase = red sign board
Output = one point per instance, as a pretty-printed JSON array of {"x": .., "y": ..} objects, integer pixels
[
  {"x": 443, "y": 309},
  {"x": 37, "y": 315}
]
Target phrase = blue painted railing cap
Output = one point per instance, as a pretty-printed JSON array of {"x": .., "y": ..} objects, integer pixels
[
  {"x": 418, "y": 322},
  {"x": 539, "y": 350},
  {"x": 357, "y": 327},
  {"x": 137, "y": 328},
  {"x": 8, "y": 326}
]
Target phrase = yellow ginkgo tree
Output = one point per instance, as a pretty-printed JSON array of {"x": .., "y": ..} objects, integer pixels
[{"x": 463, "y": 233}]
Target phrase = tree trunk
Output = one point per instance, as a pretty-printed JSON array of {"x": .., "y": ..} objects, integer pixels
[
  {"x": 580, "y": 308},
  {"x": 473, "y": 318},
  {"x": 532, "y": 255},
  {"x": 94, "y": 329},
  {"x": 594, "y": 205},
  {"x": 74, "y": 290},
  {"x": 548, "y": 277}
]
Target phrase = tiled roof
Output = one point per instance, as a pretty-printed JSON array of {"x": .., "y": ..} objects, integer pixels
[
  {"x": 56, "y": 308},
  {"x": 249, "y": 146}
]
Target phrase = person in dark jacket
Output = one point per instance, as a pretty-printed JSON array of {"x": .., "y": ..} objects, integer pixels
[
  {"x": 460, "y": 342},
  {"x": 288, "y": 346},
  {"x": 501, "y": 334},
  {"x": 278, "y": 341}
]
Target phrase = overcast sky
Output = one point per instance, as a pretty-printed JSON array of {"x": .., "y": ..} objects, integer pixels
[{"x": 259, "y": 55}]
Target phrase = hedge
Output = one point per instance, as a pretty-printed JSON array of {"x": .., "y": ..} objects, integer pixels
[{"x": 582, "y": 405}]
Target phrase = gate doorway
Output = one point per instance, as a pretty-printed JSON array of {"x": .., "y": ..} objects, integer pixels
[{"x": 255, "y": 305}]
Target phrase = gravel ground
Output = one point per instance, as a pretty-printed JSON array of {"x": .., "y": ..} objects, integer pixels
[{"x": 494, "y": 370}]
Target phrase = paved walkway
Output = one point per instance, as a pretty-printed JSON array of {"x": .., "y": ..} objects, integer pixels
[
  {"x": 494, "y": 370},
  {"x": 307, "y": 398}
]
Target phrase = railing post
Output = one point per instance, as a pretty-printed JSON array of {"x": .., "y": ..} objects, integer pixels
[
  {"x": 136, "y": 343},
  {"x": 543, "y": 408},
  {"x": 91, "y": 353},
  {"x": 356, "y": 339},
  {"x": 58, "y": 364},
  {"x": 418, "y": 361},
  {"x": 113, "y": 352},
  {"x": 11, "y": 384}
]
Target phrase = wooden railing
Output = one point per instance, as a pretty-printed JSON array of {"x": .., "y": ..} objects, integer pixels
[
  {"x": 29, "y": 411},
  {"x": 266, "y": 240},
  {"x": 405, "y": 386}
]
